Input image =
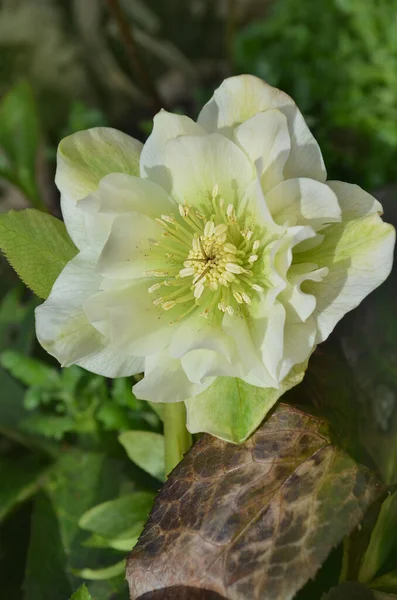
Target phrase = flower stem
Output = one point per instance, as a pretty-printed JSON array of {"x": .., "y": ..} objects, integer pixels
[{"x": 177, "y": 438}]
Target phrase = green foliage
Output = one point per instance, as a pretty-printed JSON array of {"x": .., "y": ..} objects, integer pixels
[
  {"x": 37, "y": 246},
  {"x": 19, "y": 140},
  {"x": 23, "y": 478},
  {"x": 81, "y": 594},
  {"x": 112, "y": 519},
  {"x": 382, "y": 541},
  {"x": 338, "y": 63},
  {"x": 145, "y": 449}
]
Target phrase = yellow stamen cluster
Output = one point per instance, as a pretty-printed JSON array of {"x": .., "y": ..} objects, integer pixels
[{"x": 210, "y": 260}]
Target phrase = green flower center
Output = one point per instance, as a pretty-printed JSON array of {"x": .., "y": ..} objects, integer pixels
[{"x": 209, "y": 260}]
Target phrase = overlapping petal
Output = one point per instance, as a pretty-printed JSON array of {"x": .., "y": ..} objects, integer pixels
[
  {"x": 240, "y": 98},
  {"x": 64, "y": 330},
  {"x": 83, "y": 159}
]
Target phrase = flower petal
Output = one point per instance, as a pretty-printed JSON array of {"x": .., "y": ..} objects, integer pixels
[
  {"x": 198, "y": 333},
  {"x": 193, "y": 166},
  {"x": 121, "y": 194},
  {"x": 166, "y": 381},
  {"x": 127, "y": 252},
  {"x": 354, "y": 201},
  {"x": 65, "y": 332},
  {"x": 265, "y": 139},
  {"x": 83, "y": 159},
  {"x": 232, "y": 409},
  {"x": 129, "y": 318},
  {"x": 359, "y": 256},
  {"x": 199, "y": 365},
  {"x": 240, "y": 98},
  {"x": 166, "y": 126},
  {"x": 303, "y": 201},
  {"x": 249, "y": 354}
]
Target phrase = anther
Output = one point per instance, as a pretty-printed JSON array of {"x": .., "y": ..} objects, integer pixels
[
  {"x": 154, "y": 287},
  {"x": 169, "y": 304}
]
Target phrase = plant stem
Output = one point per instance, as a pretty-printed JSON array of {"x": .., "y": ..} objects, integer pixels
[
  {"x": 136, "y": 59},
  {"x": 177, "y": 438}
]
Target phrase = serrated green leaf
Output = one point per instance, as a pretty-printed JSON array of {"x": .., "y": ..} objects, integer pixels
[
  {"x": 28, "y": 370},
  {"x": 145, "y": 449},
  {"x": 113, "y": 518},
  {"x": 382, "y": 541},
  {"x": 82, "y": 594},
  {"x": 37, "y": 246},
  {"x": 99, "y": 574},
  {"x": 19, "y": 138}
]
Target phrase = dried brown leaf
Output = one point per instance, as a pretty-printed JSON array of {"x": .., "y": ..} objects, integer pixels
[{"x": 253, "y": 521}]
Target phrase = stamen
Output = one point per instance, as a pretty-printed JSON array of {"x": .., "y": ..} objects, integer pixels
[
  {"x": 168, "y": 305},
  {"x": 198, "y": 290},
  {"x": 154, "y": 287},
  {"x": 234, "y": 268},
  {"x": 187, "y": 272}
]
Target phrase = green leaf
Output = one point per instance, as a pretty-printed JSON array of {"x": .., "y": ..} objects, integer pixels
[
  {"x": 386, "y": 583},
  {"x": 51, "y": 426},
  {"x": 19, "y": 138},
  {"x": 383, "y": 540},
  {"x": 78, "y": 481},
  {"x": 351, "y": 590},
  {"x": 46, "y": 566},
  {"x": 231, "y": 410},
  {"x": 99, "y": 574},
  {"x": 111, "y": 519},
  {"x": 82, "y": 594},
  {"x": 37, "y": 247},
  {"x": 20, "y": 479},
  {"x": 124, "y": 543},
  {"x": 29, "y": 371},
  {"x": 145, "y": 449}
]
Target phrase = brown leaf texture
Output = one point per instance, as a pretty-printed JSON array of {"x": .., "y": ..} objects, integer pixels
[{"x": 253, "y": 521}]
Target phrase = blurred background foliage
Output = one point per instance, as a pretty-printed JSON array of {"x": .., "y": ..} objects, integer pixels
[{"x": 80, "y": 457}]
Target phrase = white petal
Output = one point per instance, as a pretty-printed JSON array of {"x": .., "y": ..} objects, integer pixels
[
  {"x": 240, "y": 98},
  {"x": 166, "y": 126},
  {"x": 359, "y": 256},
  {"x": 128, "y": 316},
  {"x": 267, "y": 331},
  {"x": 265, "y": 139},
  {"x": 83, "y": 159},
  {"x": 127, "y": 252},
  {"x": 303, "y": 304},
  {"x": 249, "y": 355},
  {"x": 199, "y": 365},
  {"x": 299, "y": 343},
  {"x": 65, "y": 332},
  {"x": 166, "y": 381},
  {"x": 354, "y": 201},
  {"x": 121, "y": 194},
  {"x": 198, "y": 333},
  {"x": 303, "y": 201},
  {"x": 193, "y": 166}
]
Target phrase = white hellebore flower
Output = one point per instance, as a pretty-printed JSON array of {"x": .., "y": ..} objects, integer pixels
[{"x": 214, "y": 258}]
